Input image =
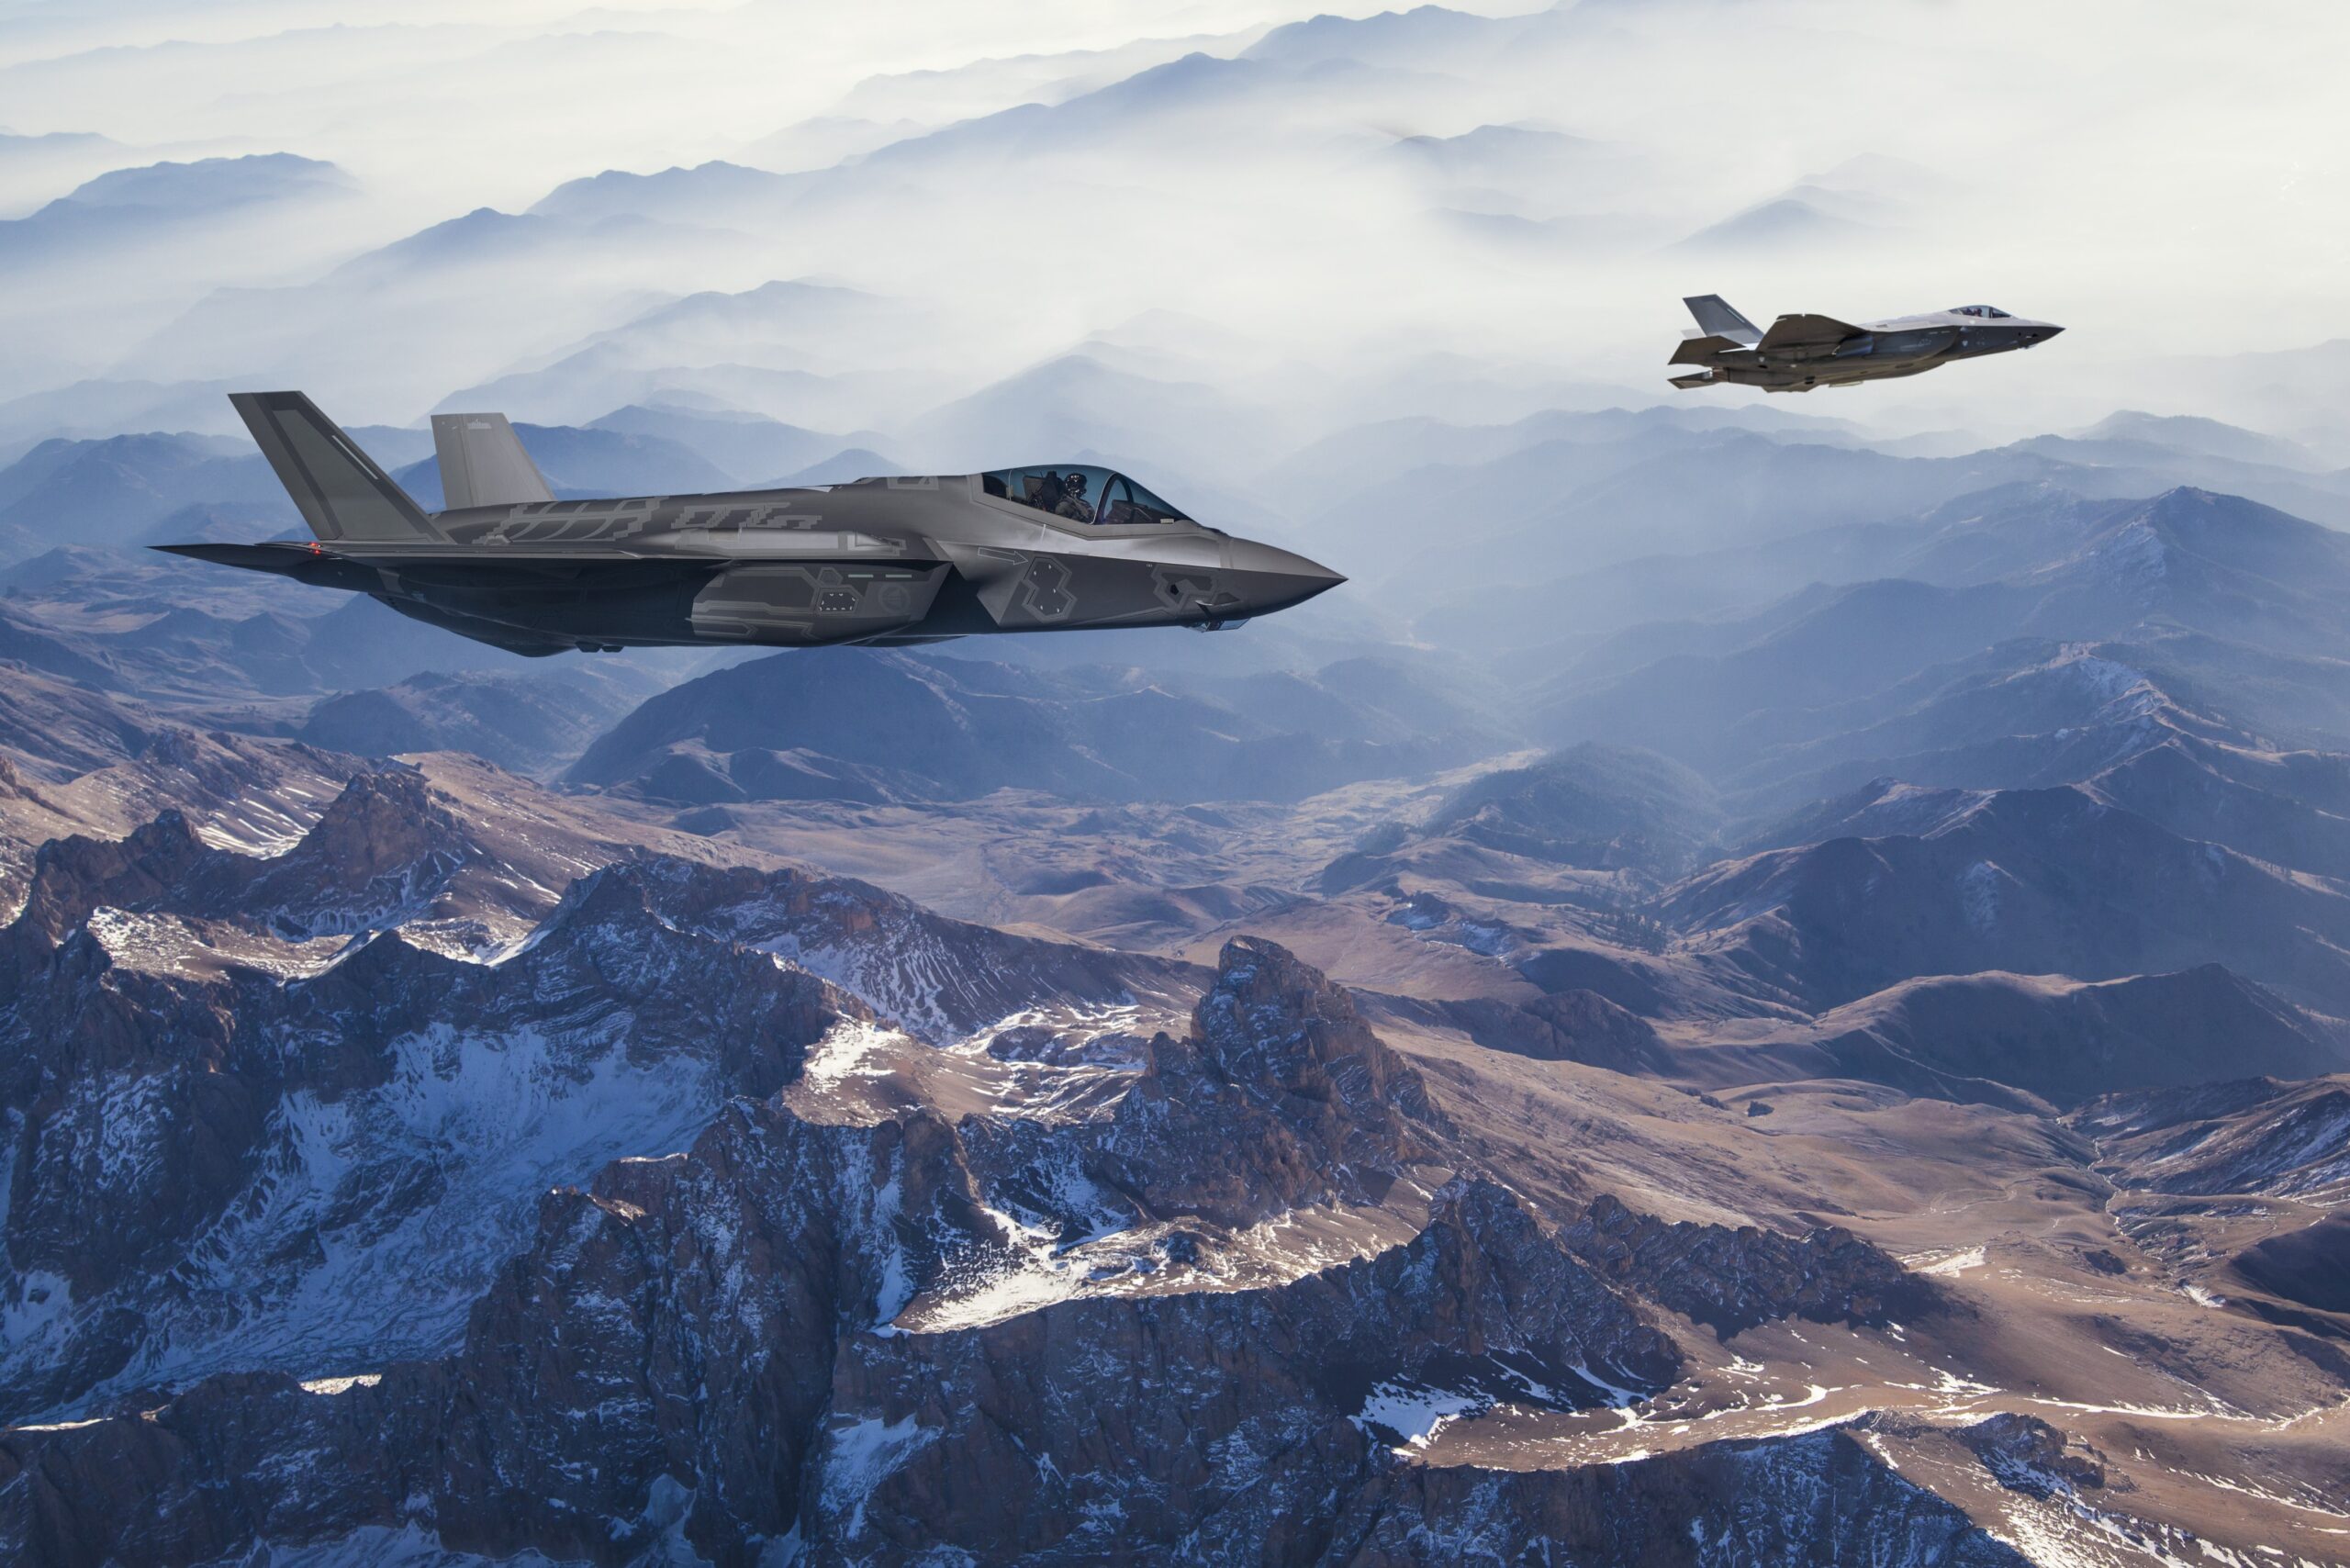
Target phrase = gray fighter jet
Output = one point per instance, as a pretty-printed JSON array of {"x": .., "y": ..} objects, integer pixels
[
  {"x": 1800, "y": 353},
  {"x": 1051, "y": 547}
]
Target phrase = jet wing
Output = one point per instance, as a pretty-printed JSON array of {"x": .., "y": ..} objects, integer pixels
[
  {"x": 1809, "y": 331},
  {"x": 331, "y": 566}
]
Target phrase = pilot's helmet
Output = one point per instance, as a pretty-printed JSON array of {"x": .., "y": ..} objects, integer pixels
[{"x": 1074, "y": 483}]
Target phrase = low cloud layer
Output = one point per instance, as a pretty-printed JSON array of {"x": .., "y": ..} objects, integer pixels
[{"x": 1333, "y": 219}]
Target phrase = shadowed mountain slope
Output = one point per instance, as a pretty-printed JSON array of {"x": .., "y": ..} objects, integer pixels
[{"x": 799, "y": 725}]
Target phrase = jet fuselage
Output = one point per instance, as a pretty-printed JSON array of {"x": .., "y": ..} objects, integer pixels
[{"x": 895, "y": 560}]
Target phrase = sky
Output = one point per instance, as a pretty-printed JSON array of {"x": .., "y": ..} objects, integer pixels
[{"x": 2167, "y": 181}]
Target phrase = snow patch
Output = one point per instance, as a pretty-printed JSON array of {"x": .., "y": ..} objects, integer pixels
[
  {"x": 333, "y": 1385},
  {"x": 861, "y": 1453},
  {"x": 1414, "y": 1413},
  {"x": 377, "y": 1219},
  {"x": 849, "y": 1050},
  {"x": 1951, "y": 1263},
  {"x": 1978, "y": 894}
]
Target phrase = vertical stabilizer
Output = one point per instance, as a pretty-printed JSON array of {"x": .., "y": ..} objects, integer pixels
[
  {"x": 483, "y": 463},
  {"x": 341, "y": 493},
  {"x": 1715, "y": 315}
]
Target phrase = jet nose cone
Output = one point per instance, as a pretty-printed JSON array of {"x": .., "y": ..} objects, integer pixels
[{"x": 1272, "y": 579}]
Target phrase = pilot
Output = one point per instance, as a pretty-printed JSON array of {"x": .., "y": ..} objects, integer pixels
[{"x": 1073, "y": 504}]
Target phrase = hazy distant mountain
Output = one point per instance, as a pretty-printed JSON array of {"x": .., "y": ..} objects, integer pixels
[
  {"x": 2211, "y": 438},
  {"x": 488, "y": 288},
  {"x": 708, "y": 192},
  {"x": 851, "y": 463},
  {"x": 1567, "y": 507},
  {"x": 1531, "y": 185},
  {"x": 526, "y": 721},
  {"x": 2153, "y": 462},
  {"x": 2235, "y": 574},
  {"x": 208, "y": 184},
  {"x": 777, "y": 325},
  {"x": 1075, "y": 405},
  {"x": 114, "y": 491},
  {"x": 219, "y": 522},
  {"x": 2286, "y": 390},
  {"x": 2030, "y": 882},
  {"x": 1782, "y": 224},
  {"x": 1741, "y": 687},
  {"x": 94, "y": 410},
  {"x": 1348, "y": 464},
  {"x": 592, "y": 462},
  {"x": 581, "y": 386},
  {"x": 131, "y": 206},
  {"x": 1421, "y": 36},
  {"x": 1507, "y": 154},
  {"x": 35, "y": 168},
  {"x": 804, "y": 353},
  {"x": 750, "y": 447},
  {"x": 1592, "y": 805}
]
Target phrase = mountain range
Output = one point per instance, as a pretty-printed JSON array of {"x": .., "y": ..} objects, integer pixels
[{"x": 1764, "y": 984}]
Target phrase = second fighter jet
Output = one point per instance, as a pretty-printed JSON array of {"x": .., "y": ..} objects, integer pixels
[{"x": 1799, "y": 353}]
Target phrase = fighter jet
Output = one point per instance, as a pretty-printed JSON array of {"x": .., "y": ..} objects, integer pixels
[
  {"x": 1800, "y": 353},
  {"x": 1049, "y": 547}
]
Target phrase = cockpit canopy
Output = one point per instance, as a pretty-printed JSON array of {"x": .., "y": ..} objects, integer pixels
[
  {"x": 1081, "y": 493},
  {"x": 1991, "y": 312}
]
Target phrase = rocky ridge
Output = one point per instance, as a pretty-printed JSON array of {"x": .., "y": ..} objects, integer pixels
[{"x": 743, "y": 1346}]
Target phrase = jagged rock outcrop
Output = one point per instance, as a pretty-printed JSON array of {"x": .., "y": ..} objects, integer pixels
[
  {"x": 1280, "y": 1096},
  {"x": 2028, "y": 1455},
  {"x": 1821, "y": 1497},
  {"x": 1730, "y": 1279},
  {"x": 379, "y": 854},
  {"x": 1242, "y": 1415}
]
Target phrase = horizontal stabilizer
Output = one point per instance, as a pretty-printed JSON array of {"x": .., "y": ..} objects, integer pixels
[
  {"x": 1705, "y": 350},
  {"x": 341, "y": 492},
  {"x": 1807, "y": 332},
  {"x": 483, "y": 463},
  {"x": 1702, "y": 378},
  {"x": 285, "y": 559},
  {"x": 1714, "y": 314}
]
